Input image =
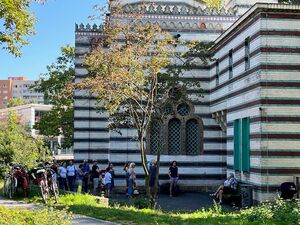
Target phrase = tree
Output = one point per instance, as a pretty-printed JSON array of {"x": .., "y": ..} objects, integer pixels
[
  {"x": 57, "y": 86},
  {"x": 13, "y": 102},
  {"x": 18, "y": 23},
  {"x": 17, "y": 146},
  {"x": 128, "y": 81}
]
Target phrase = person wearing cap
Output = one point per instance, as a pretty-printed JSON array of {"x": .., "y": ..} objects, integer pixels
[{"x": 229, "y": 187}]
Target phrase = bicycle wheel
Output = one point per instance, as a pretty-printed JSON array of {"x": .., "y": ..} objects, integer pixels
[
  {"x": 6, "y": 186},
  {"x": 44, "y": 191},
  {"x": 55, "y": 191},
  {"x": 10, "y": 187}
]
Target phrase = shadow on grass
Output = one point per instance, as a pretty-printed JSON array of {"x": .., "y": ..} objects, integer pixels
[{"x": 129, "y": 215}]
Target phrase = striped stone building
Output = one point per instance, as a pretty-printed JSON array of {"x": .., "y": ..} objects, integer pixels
[{"x": 247, "y": 121}]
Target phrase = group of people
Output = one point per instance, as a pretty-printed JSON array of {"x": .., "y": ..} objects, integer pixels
[
  {"x": 130, "y": 176},
  {"x": 70, "y": 177}
]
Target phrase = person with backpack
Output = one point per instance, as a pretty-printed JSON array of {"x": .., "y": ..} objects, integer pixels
[{"x": 71, "y": 173}]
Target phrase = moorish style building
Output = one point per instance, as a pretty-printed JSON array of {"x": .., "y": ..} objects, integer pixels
[{"x": 248, "y": 120}]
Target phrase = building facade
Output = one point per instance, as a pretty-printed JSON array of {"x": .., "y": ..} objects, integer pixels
[
  {"x": 240, "y": 125},
  {"x": 5, "y": 92},
  {"x": 29, "y": 115},
  {"x": 19, "y": 87}
]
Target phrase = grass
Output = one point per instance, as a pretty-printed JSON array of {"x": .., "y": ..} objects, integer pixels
[
  {"x": 277, "y": 213},
  {"x": 17, "y": 216},
  {"x": 269, "y": 213}
]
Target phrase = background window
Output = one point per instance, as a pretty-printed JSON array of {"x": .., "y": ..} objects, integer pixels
[
  {"x": 230, "y": 64},
  {"x": 247, "y": 54}
]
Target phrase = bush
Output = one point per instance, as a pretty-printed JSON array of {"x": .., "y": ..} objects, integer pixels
[
  {"x": 17, "y": 216},
  {"x": 275, "y": 212},
  {"x": 140, "y": 202}
]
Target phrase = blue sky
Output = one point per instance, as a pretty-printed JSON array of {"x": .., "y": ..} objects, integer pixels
[{"x": 54, "y": 28}]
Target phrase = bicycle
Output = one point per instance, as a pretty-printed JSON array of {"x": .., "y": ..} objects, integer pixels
[
  {"x": 10, "y": 184},
  {"x": 47, "y": 183}
]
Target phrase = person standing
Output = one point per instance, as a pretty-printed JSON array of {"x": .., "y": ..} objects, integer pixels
[
  {"x": 86, "y": 176},
  {"x": 126, "y": 170},
  {"x": 62, "y": 172},
  {"x": 79, "y": 178},
  {"x": 71, "y": 172},
  {"x": 152, "y": 171},
  {"x": 174, "y": 176},
  {"x": 112, "y": 172},
  {"x": 131, "y": 179},
  {"x": 107, "y": 181},
  {"x": 95, "y": 176}
]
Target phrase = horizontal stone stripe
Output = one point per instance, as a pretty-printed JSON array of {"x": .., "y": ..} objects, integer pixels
[
  {"x": 87, "y": 129},
  {"x": 271, "y": 119},
  {"x": 265, "y": 102},
  {"x": 135, "y": 151},
  {"x": 276, "y": 171},
  {"x": 201, "y": 67},
  {"x": 275, "y": 153},
  {"x": 183, "y": 176},
  {"x": 276, "y": 136},
  {"x": 121, "y": 139},
  {"x": 271, "y": 136},
  {"x": 180, "y": 164},
  {"x": 91, "y": 119},
  {"x": 250, "y": 20},
  {"x": 255, "y": 69},
  {"x": 271, "y": 153},
  {"x": 256, "y": 85},
  {"x": 272, "y": 171},
  {"x": 203, "y": 115}
]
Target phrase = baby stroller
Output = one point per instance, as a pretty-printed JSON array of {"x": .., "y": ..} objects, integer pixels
[{"x": 288, "y": 190}]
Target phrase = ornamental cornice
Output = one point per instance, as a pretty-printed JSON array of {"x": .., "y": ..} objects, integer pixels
[{"x": 175, "y": 9}]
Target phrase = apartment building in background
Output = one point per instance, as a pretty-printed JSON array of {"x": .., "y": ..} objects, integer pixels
[
  {"x": 19, "y": 87},
  {"x": 5, "y": 92}
]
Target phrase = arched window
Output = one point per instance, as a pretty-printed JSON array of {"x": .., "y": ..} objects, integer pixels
[
  {"x": 192, "y": 137},
  {"x": 155, "y": 137},
  {"x": 174, "y": 137}
]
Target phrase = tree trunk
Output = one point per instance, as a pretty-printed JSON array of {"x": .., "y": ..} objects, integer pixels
[
  {"x": 155, "y": 188},
  {"x": 144, "y": 164}
]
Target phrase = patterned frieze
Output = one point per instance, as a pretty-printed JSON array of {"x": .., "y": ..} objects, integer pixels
[{"x": 176, "y": 9}]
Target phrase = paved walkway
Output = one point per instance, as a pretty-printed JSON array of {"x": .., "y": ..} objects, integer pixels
[
  {"x": 185, "y": 202},
  {"x": 78, "y": 219}
]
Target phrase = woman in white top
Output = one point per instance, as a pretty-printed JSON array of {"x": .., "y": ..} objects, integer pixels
[{"x": 62, "y": 172}]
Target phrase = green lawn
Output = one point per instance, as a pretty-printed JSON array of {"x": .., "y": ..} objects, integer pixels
[
  {"x": 279, "y": 212},
  {"x": 275, "y": 213}
]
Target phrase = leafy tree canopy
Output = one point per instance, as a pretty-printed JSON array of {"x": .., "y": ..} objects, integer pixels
[
  {"x": 17, "y": 146},
  {"x": 16, "y": 23},
  {"x": 57, "y": 86}
]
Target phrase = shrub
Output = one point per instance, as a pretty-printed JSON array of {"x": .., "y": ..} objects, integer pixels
[
  {"x": 275, "y": 212},
  {"x": 47, "y": 216}
]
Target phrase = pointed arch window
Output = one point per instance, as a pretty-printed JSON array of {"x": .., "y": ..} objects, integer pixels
[
  {"x": 192, "y": 137},
  {"x": 155, "y": 137},
  {"x": 174, "y": 137}
]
